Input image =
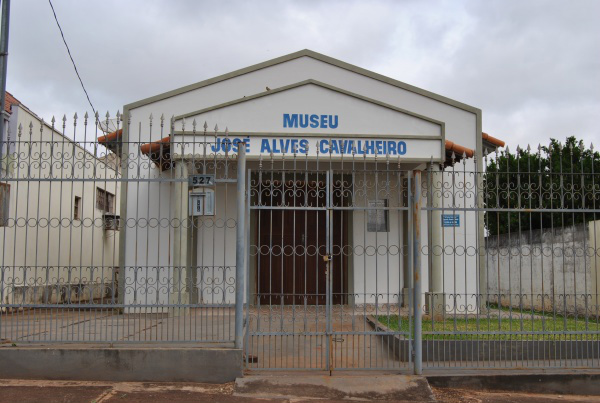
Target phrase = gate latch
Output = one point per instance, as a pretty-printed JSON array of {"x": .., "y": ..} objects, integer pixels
[{"x": 327, "y": 258}]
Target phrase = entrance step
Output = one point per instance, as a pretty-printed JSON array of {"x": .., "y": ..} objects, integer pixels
[{"x": 369, "y": 387}]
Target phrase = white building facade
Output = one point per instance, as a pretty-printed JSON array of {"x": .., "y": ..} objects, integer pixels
[{"x": 312, "y": 126}]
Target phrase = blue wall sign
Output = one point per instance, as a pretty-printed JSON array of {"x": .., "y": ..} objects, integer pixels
[
  {"x": 287, "y": 145},
  {"x": 450, "y": 220},
  {"x": 313, "y": 121}
]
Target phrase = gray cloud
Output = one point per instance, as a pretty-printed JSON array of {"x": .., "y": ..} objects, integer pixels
[{"x": 533, "y": 67}]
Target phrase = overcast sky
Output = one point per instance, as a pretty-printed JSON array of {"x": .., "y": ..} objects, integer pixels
[{"x": 533, "y": 67}]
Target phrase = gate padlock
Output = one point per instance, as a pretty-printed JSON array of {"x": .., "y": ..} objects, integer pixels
[{"x": 327, "y": 258}]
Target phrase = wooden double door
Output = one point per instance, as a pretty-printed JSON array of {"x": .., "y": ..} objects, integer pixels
[{"x": 292, "y": 243}]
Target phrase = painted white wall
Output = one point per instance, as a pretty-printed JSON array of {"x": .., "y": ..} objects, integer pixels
[
  {"x": 377, "y": 256},
  {"x": 215, "y": 240},
  {"x": 148, "y": 269},
  {"x": 460, "y": 263},
  {"x": 42, "y": 237}
]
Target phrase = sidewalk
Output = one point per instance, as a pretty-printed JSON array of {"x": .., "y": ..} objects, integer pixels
[{"x": 26, "y": 391}]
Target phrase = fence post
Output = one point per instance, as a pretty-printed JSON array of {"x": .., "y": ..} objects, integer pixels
[
  {"x": 416, "y": 243},
  {"x": 435, "y": 303},
  {"x": 240, "y": 245},
  {"x": 180, "y": 295}
]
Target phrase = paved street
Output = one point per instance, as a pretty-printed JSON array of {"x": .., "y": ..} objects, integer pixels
[
  {"x": 29, "y": 391},
  {"x": 60, "y": 325}
]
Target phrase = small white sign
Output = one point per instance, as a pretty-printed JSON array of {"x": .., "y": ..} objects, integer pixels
[
  {"x": 202, "y": 203},
  {"x": 201, "y": 180}
]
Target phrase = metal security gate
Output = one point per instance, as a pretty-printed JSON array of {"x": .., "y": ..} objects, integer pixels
[{"x": 327, "y": 268}]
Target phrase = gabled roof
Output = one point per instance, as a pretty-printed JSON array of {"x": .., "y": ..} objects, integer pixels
[
  {"x": 289, "y": 87},
  {"x": 161, "y": 145},
  {"x": 297, "y": 55}
]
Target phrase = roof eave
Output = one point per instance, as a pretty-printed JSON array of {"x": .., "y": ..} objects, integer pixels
[{"x": 297, "y": 55}]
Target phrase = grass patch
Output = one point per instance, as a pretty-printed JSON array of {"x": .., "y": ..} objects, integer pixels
[{"x": 503, "y": 327}]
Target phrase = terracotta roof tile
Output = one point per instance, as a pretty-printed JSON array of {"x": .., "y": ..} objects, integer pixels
[
  {"x": 493, "y": 140},
  {"x": 458, "y": 149},
  {"x": 9, "y": 102},
  {"x": 114, "y": 136}
]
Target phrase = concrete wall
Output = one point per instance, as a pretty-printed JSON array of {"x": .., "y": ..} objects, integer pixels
[
  {"x": 594, "y": 262},
  {"x": 213, "y": 365},
  {"x": 545, "y": 269}
]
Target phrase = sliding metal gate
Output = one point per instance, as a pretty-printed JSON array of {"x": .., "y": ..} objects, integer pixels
[{"x": 327, "y": 266}]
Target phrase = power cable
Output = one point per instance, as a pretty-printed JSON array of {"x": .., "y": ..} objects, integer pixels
[{"x": 73, "y": 61}]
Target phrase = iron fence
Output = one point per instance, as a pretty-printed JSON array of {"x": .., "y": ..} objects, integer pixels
[
  {"x": 62, "y": 278},
  {"x": 144, "y": 233},
  {"x": 536, "y": 300}
]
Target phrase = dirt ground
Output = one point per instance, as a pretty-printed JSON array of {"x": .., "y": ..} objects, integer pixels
[
  {"x": 454, "y": 395},
  {"x": 28, "y": 391}
]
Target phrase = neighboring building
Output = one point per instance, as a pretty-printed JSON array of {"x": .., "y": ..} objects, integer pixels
[
  {"x": 310, "y": 99},
  {"x": 55, "y": 195}
]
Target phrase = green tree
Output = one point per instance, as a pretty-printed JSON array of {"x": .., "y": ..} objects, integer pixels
[{"x": 543, "y": 188}]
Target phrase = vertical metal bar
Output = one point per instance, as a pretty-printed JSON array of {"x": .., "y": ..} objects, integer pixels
[
  {"x": 240, "y": 247},
  {"x": 416, "y": 235},
  {"x": 410, "y": 283},
  {"x": 328, "y": 269},
  {"x": 247, "y": 264},
  {"x": 3, "y": 68}
]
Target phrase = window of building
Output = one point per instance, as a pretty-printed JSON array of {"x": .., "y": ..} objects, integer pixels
[
  {"x": 4, "y": 202},
  {"x": 77, "y": 208},
  {"x": 105, "y": 201},
  {"x": 377, "y": 216}
]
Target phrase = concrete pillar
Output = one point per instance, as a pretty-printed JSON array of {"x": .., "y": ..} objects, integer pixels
[
  {"x": 180, "y": 292},
  {"x": 436, "y": 301},
  {"x": 594, "y": 265},
  {"x": 406, "y": 239},
  {"x": 416, "y": 214},
  {"x": 240, "y": 246},
  {"x": 482, "y": 286}
]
